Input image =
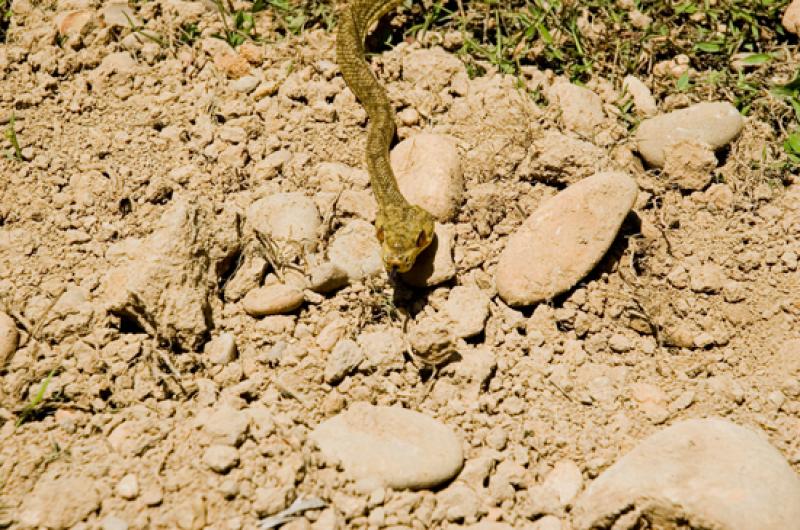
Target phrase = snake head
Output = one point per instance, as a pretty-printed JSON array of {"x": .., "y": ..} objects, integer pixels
[{"x": 403, "y": 234}]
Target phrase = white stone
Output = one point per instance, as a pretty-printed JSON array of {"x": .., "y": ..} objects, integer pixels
[
  {"x": 272, "y": 299},
  {"x": 713, "y": 123},
  {"x": 226, "y": 425},
  {"x": 221, "y": 458},
  {"x": 429, "y": 174},
  {"x": 356, "y": 250},
  {"x": 564, "y": 239},
  {"x": 399, "y": 448},
  {"x": 112, "y": 522},
  {"x": 708, "y": 473},
  {"x": 221, "y": 349},
  {"x": 643, "y": 99},
  {"x": 286, "y": 217},
  {"x": 467, "y": 308},
  {"x": 346, "y": 356},
  {"x": 326, "y": 277},
  {"x": 565, "y": 480},
  {"x": 118, "y": 14},
  {"x": 581, "y": 109},
  {"x": 128, "y": 487},
  {"x": 245, "y": 84}
]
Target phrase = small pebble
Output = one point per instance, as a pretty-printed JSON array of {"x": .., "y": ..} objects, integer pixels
[
  {"x": 221, "y": 458},
  {"x": 400, "y": 448},
  {"x": 226, "y": 425},
  {"x": 643, "y": 99},
  {"x": 345, "y": 357},
  {"x": 245, "y": 84},
  {"x": 565, "y": 480},
  {"x": 128, "y": 487},
  {"x": 269, "y": 501},
  {"x": 712, "y": 123},
  {"x": 327, "y": 277},
  {"x": 221, "y": 349},
  {"x": 468, "y": 309},
  {"x": 272, "y": 299},
  {"x": 581, "y": 109},
  {"x": 112, "y": 522}
]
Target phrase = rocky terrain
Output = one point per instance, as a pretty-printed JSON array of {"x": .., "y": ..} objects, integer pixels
[{"x": 196, "y": 329}]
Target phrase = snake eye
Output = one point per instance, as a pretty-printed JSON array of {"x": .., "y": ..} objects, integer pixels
[
  {"x": 379, "y": 234},
  {"x": 422, "y": 240}
]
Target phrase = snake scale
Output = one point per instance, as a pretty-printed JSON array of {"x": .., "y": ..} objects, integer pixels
[{"x": 404, "y": 230}]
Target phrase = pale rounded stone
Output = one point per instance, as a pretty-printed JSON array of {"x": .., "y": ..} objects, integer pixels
[
  {"x": 286, "y": 217},
  {"x": 643, "y": 99},
  {"x": 399, "y": 448},
  {"x": 118, "y": 14},
  {"x": 272, "y": 300},
  {"x": 221, "y": 458},
  {"x": 226, "y": 425},
  {"x": 112, "y": 522},
  {"x": 326, "y": 277},
  {"x": 128, "y": 487},
  {"x": 713, "y": 123},
  {"x": 245, "y": 84},
  {"x": 581, "y": 109},
  {"x": 565, "y": 480},
  {"x": 791, "y": 17},
  {"x": 708, "y": 473},
  {"x": 467, "y": 308},
  {"x": 356, "y": 250},
  {"x": 221, "y": 349},
  {"x": 564, "y": 239},
  {"x": 346, "y": 356},
  {"x": 9, "y": 338},
  {"x": 428, "y": 171},
  {"x": 435, "y": 264}
]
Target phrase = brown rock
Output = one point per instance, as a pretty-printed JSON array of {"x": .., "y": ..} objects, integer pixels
[{"x": 564, "y": 239}]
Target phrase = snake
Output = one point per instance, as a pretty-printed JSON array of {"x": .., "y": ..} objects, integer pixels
[{"x": 403, "y": 229}]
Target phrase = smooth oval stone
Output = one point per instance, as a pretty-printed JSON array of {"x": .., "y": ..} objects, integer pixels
[
  {"x": 428, "y": 171},
  {"x": 713, "y": 123},
  {"x": 285, "y": 217},
  {"x": 564, "y": 239},
  {"x": 708, "y": 473},
  {"x": 395, "y": 447},
  {"x": 272, "y": 300}
]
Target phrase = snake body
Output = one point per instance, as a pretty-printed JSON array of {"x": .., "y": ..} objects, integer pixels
[{"x": 404, "y": 230}]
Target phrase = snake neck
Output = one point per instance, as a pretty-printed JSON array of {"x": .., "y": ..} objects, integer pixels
[{"x": 353, "y": 27}]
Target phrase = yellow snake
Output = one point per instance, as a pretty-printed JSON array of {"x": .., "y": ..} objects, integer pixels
[{"x": 403, "y": 229}]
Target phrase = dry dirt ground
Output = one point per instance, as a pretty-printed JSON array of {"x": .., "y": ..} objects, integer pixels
[{"x": 693, "y": 313}]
